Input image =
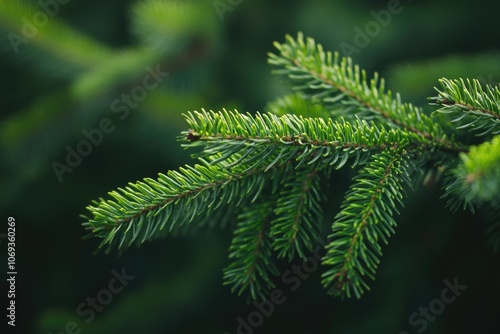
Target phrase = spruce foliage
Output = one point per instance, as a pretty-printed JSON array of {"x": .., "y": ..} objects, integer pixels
[{"x": 268, "y": 170}]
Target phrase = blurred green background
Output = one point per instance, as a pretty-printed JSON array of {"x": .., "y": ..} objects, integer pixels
[{"x": 64, "y": 77}]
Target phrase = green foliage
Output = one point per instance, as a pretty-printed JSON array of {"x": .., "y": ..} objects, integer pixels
[
  {"x": 469, "y": 105},
  {"x": 365, "y": 217},
  {"x": 298, "y": 209},
  {"x": 251, "y": 252},
  {"x": 475, "y": 180},
  {"x": 151, "y": 208},
  {"x": 270, "y": 169},
  {"x": 346, "y": 89}
]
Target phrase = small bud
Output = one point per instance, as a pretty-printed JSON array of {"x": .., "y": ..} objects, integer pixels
[{"x": 192, "y": 136}]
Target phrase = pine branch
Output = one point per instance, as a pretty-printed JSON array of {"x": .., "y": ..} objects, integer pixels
[
  {"x": 476, "y": 179},
  {"x": 344, "y": 88},
  {"x": 277, "y": 157},
  {"x": 150, "y": 209},
  {"x": 266, "y": 140},
  {"x": 469, "y": 105},
  {"x": 251, "y": 253},
  {"x": 365, "y": 218},
  {"x": 298, "y": 214}
]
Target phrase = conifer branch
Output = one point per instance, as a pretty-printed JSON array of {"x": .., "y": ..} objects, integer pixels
[
  {"x": 272, "y": 163},
  {"x": 251, "y": 251},
  {"x": 469, "y": 105},
  {"x": 295, "y": 229},
  {"x": 339, "y": 84},
  {"x": 476, "y": 179},
  {"x": 365, "y": 218},
  {"x": 144, "y": 209},
  {"x": 267, "y": 139}
]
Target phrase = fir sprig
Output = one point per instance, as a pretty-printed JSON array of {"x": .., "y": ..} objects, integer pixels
[
  {"x": 365, "y": 219},
  {"x": 346, "y": 90},
  {"x": 475, "y": 179},
  {"x": 290, "y": 137},
  {"x": 251, "y": 253},
  {"x": 151, "y": 208},
  {"x": 295, "y": 229},
  {"x": 269, "y": 169},
  {"x": 469, "y": 105}
]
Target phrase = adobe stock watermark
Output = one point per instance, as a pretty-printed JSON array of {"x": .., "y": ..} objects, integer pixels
[
  {"x": 39, "y": 19},
  {"x": 88, "y": 309},
  {"x": 120, "y": 106},
  {"x": 363, "y": 37},
  {"x": 292, "y": 278},
  {"x": 421, "y": 318},
  {"x": 222, "y": 6}
]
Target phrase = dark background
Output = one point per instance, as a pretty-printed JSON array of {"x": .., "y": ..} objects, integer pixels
[{"x": 178, "y": 280}]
